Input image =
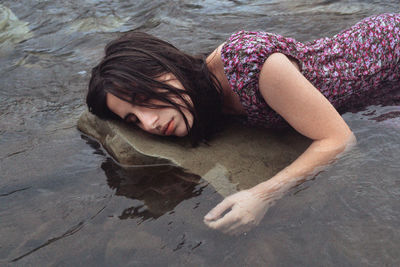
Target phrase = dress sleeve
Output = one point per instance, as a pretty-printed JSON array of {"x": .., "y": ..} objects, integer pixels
[{"x": 244, "y": 55}]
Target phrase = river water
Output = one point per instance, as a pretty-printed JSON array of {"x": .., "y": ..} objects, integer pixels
[{"x": 64, "y": 202}]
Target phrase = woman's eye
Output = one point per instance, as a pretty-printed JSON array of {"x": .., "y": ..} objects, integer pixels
[
  {"x": 142, "y": 98},
  {"x": 131, "y": 118}
]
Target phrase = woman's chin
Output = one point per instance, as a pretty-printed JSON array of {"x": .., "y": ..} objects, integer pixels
[{"x": 180, "y": 132}]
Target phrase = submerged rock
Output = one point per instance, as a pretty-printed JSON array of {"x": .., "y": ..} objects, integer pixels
[
  {"x": 237, "y": 158},
  {"x": 12, "y": 30},
  {"x": 98, "y": 24}
]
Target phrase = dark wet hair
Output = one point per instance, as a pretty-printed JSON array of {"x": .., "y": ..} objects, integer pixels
[{"x": 130, "y": 68}]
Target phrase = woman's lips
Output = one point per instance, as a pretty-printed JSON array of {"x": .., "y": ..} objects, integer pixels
[{"x": 170, "y": 128}]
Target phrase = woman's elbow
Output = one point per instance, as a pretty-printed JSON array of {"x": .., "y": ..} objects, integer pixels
[
  {"x": 344, "y": 142},
  {"x": 349, "y": 142},
  {"x": 343, "y": 138},
  {"x": 337, "y": 143}
]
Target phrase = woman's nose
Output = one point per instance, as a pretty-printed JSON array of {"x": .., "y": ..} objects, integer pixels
[{"x": 148, "y": 117}]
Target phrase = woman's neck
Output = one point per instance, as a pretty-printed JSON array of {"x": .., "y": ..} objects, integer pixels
[{"x": 230, "y": 101}]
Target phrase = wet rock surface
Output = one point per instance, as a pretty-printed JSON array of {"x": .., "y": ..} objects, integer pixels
[{"x": 236, "y": 158}]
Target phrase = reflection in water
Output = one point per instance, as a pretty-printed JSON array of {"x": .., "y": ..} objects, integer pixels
[{"x": 160, "y": 188}]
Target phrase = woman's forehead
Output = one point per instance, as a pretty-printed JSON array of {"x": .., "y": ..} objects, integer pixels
[{"x": 113, "y": 99}]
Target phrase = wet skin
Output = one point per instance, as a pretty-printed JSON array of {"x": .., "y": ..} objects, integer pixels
[{"x": 160, "y": 121}]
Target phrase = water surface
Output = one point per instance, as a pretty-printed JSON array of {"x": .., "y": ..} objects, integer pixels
[{"x": 63, "y": 201}]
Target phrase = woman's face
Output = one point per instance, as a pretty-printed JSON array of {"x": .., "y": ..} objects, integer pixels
[{"x": 160, "y": 121}]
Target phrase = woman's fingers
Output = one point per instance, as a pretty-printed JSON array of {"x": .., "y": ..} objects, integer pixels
[
  {"x": 225, "y": 222},
  {"x": 245, "y": 212},
  {"x": 218, "y": 210}
]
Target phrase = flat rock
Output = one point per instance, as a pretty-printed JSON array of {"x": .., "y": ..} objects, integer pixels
[{"x": 237, "y": 158}]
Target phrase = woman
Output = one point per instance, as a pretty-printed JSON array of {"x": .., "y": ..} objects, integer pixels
[{"x": 269, "y": 79}]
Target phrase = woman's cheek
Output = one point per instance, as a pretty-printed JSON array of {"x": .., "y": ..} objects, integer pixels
[{"x": 181, "y": 131}]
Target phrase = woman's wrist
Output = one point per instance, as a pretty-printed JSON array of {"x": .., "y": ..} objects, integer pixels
[{"x": 270, "y": 189}]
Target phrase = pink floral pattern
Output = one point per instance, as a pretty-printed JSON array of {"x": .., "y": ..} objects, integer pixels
[{"x": 353, "y": 68}]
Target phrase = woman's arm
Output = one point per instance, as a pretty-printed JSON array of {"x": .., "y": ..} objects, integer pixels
[{"x": 291, "y": 95}]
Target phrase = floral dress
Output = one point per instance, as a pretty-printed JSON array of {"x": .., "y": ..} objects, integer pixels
[{"x": 352, "y": 68}]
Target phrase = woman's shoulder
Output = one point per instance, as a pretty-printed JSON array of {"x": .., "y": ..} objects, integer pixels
[
  {"x": 251, "y": 38},
  {"x": 250, "y": 45},
  {"x": 243, "y": 34}
]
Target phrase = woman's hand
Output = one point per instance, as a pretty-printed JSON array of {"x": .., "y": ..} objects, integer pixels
[{"x": 246, "y": 211}]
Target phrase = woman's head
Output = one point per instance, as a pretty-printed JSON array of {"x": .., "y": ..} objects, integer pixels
[
  {"x": 164, "y": 119},
  {"x": 150, "y": 74}
]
